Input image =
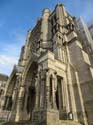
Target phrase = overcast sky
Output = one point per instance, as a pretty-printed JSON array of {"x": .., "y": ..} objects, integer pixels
[{"x": 18, "y": 16}]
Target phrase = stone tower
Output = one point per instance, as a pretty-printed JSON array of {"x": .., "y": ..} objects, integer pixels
[{"x": 53, "y": 81}]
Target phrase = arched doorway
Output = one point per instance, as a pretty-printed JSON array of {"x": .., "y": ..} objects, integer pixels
[
  {"x": 8, "y": 102},
  {"x": 31, "y": 101},
  {"x": 30, "y": 96}
]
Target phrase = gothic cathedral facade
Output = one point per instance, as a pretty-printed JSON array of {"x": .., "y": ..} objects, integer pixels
[{"x": 53, "y": 81}]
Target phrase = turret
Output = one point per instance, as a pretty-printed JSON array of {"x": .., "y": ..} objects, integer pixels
[{"x": 44, "y": 28}]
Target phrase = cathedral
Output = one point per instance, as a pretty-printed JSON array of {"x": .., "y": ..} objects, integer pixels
[{"x": 52, "y": 84}]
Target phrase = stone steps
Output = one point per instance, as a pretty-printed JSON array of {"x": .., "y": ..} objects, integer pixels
[
  {"x": 22, "y": 123},
  {"x": 58, "y": 122}
]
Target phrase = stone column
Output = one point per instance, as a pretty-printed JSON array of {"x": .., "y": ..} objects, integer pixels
[
  {"x": 42, "y": 89},
  {"x": 20, "y": 104},
  {"x": 39, "y": 88},
  {"x": 13, "y": 110},
  {"x": 48, "y": 105},
  {"x": 37, "y": 91},
  {"x": 4, "y": 103},
  {"x": 54, "y": 88},
  {"x": 66, "y": 96},
  {"x": 15, "y": 93}
]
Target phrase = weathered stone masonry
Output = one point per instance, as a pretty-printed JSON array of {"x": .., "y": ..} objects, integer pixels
[{"x": 53, "y": 80}]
